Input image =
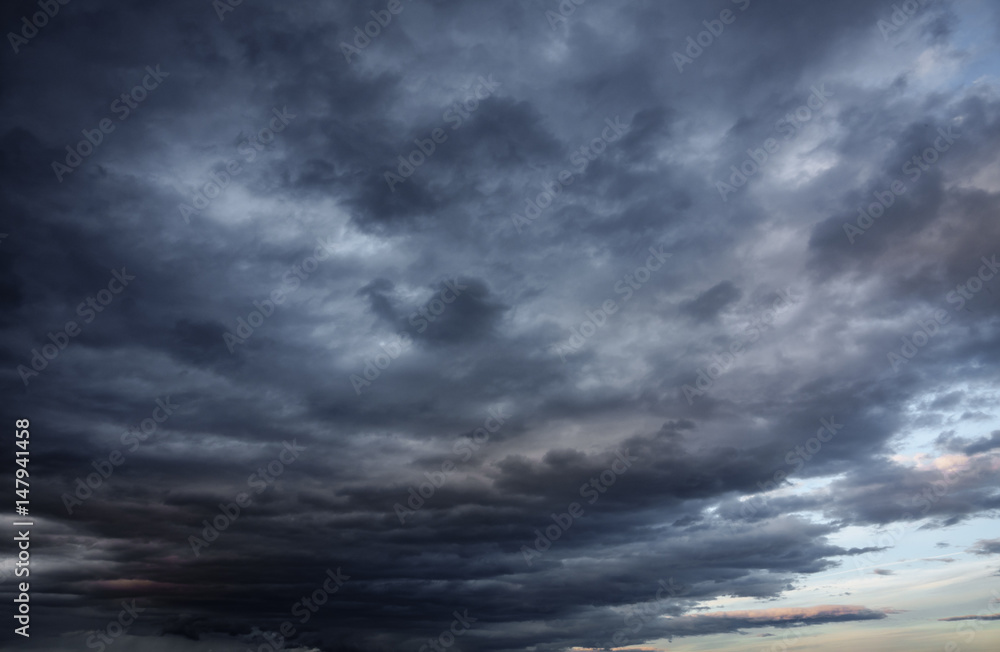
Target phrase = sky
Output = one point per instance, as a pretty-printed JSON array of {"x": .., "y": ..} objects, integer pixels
[{"x": 502, "y": 326}]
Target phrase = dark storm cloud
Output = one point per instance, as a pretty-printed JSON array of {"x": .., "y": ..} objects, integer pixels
[{"x": 437, "y": 258}]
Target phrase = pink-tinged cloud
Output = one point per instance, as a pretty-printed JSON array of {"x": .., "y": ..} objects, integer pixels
[
  {"x": 804, "y": 614},
  {"x": 984, "y": 617},
  {"x": 615, "y": 649},
  {"x": 727, "y": 622}
]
